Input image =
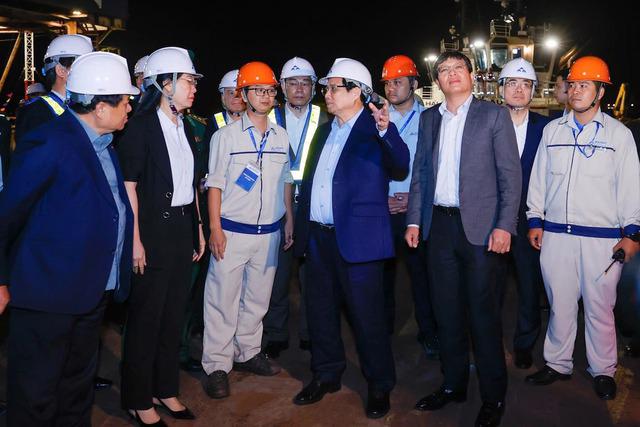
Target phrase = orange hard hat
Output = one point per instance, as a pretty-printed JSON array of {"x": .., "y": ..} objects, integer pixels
[
  {"x": 399, "y": 66},
  {"x": 255, "y": 73},
  {"x": 589, "y": 68}
]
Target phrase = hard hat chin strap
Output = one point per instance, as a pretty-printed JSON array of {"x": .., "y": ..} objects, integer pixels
[
  {"x": 170, "y": 96},
  {"x": 595, "y": 99}
]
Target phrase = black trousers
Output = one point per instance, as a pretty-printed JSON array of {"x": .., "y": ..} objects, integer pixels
[
  {"x": 150, "y": 361},
  {"x": 331, "y": 283},
  {"x": 52, "y": 360},
  {"x": 526, "y": 261},
  {"x": 464, "y": 297},
  {"x": 415, "y": 261}
]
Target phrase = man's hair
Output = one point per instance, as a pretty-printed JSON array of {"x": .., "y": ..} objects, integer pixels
[
  {"x": 454, "y": 54},
  {"x": 50, "y": 76},
  {"x": 79, "y": 108}
]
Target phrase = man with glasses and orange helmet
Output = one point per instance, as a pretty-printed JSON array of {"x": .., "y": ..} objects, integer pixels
[
  {"x": 250, "y": 194},
  {"x": 301, "y": 120},
  {"x": 400, "y": 79},
  {"x": 584, "y": 207}
]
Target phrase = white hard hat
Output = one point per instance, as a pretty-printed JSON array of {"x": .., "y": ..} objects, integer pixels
[
  {"x": 66, "y": 45},
  {"x": 168, "y": 60},
  {"x": 100, "y": 73},
  {"x": 518, "y": 68},
  {"x": 36, "y": 88},
  {"x": 139, "y": 67},
  {"x": 229, "y": 80},
  {"x": 349, "y": 69},
  {"x": 298, "y": 67}
]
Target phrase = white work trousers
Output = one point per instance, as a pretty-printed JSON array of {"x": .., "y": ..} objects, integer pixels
[
  {"x": 573, "y": 267},
  {"x": 236, "y": 299}
]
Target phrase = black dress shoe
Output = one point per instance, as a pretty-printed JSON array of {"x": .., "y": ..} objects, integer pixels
[
  {"x": 490, "y": 414},
  {"x": 185, "y": 414},
  {"x": 523, "y": 359},
  {"x": 141, "y": 423},
  {"x": 191, "y": 365},
  {"x": 439, "y": 399},
  {"x": 259, "y": 365},
  {"x": 305, "y": 345},
  {"x": 605, "y": 387},
  {"x": 100, "y": 383},
  {"x": 217, "y": 385},
  {"x": 546, "y": 375},
  {"x": 314, "y": 392},
  {"x": 377, "y": 404},
  {"x": 273, "y": 348}
]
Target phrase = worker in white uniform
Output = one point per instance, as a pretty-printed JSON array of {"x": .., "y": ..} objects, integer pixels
[
  {"x": 584, "y": 206},
  {"x": 250, "y": 191}
]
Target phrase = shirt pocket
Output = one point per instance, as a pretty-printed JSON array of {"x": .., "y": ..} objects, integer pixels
[
  {"x": 600, "y": 164},
  {"x": 559, "y": 158}
]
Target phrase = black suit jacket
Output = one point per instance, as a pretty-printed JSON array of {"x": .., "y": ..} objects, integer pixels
[{"x": 144, "y": 159}]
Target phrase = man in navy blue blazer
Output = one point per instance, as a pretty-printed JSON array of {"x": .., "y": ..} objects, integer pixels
[
  {"x": 344, "y": 229},
  {"x": 518, "y": 83},
  {"x": 65, "y": 246}
]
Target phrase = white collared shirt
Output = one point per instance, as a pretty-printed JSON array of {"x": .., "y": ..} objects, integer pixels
[
  {"x": 449, "y": 148},
  {"x": 181, "y": 159},
  {"x": 322, "y": 189},
  {"x": 408, "y": 128},
  {"x": 521, "y": 134},
  {"x": 295, "y": 126}
]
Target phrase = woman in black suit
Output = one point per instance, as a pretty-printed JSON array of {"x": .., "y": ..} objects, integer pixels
[{"x": 156, "y": 154}]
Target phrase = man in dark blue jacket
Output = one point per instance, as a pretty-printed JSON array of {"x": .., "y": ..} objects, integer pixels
[
  {"x": 65, "y": 246},
  {"x": 343, "y": 227},
  {"x": 518, "y": 83}
]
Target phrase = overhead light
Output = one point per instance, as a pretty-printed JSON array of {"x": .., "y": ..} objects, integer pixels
[
  {"x": 552, "y": 43},
  {"x": 76, "y": 13},
  {"x": 478, "y": 43},
  {"x": 431, "y": 58}
]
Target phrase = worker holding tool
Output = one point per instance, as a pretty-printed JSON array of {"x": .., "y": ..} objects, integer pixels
[{"x": 584, "y": 216}]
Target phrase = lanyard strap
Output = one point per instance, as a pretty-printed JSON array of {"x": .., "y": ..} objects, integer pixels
[
  {"x": 263, "y": 143},
  {"x": 406, "y": 123},
  {"x": 590, "y": 144},
  {"x": 296, "y": 160}
]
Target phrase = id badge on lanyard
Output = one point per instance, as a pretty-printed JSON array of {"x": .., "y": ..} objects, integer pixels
[{"x": 249, "y": 176}]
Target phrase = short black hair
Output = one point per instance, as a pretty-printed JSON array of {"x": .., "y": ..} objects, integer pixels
[
  {"x": 79, "y": 108},
  {"x": 151, "y": 97},
  {"x": 50, "y": 75},
  {"x": 452, "y": 54}
]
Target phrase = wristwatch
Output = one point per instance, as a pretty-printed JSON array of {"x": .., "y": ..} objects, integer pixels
[{"x": 635, "y": 236}]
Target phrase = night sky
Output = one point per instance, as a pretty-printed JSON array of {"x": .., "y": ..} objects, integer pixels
[{"x": 370, "y": 32}]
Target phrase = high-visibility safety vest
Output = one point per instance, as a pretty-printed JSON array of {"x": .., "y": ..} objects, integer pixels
[
  {"x": 220, "y": 119},
  {"x": 311, "y": 125},
  {"x": 53, "y": 104}
]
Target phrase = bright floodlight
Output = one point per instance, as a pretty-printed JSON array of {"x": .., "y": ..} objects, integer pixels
[
  {"x": 478, "y": 44},
  {"x": 552, "y": 43}
]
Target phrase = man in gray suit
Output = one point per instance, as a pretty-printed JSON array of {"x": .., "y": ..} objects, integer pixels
[{"x": 465, "y": 193}]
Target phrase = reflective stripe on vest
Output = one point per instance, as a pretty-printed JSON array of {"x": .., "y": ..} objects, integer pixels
[
  {"x": 57, "y": 108},
  {"x": 220, "y": 121},
  {"x": 311, "y": 130}
]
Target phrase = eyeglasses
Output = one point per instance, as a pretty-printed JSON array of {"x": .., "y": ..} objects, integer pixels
[
  {"x": 294, "y": 83},
  {"x": 191, "y": 81},
  {"x": 331, "y": 88},
  {"x": 231, "y": 92},
  {"x": 513, "y": 84},
  {"x": 458, "y": 69},
  {"x": 262, "y": 91}
]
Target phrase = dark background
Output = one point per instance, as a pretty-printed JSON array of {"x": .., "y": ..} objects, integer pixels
[{"x": 226, "y": 34}]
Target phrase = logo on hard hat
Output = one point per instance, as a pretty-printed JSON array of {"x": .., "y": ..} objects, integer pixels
[
  {"x": 295, "y": 67},
  {"x": 521, "y": 70}
]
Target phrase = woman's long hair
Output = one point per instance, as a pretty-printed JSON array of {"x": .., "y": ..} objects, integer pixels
[{"x": 150, "y": 99}]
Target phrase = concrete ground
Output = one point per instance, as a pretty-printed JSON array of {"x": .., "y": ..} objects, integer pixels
[{"x": 266, "y": 401}]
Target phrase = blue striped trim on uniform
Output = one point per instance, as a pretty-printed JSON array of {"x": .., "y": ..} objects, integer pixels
[
  {"x": 631, "y": 229},
  {"x": 535, "y": 223},
  {"x": 238, "y": 227},
  {"x": 581, "y": 230}
]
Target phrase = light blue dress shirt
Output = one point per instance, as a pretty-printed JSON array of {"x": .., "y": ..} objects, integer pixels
[
  {"x": 322, "y": 189},
  {"x": 100, "y": 145},
  {"x": 408, "y": 128}
]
